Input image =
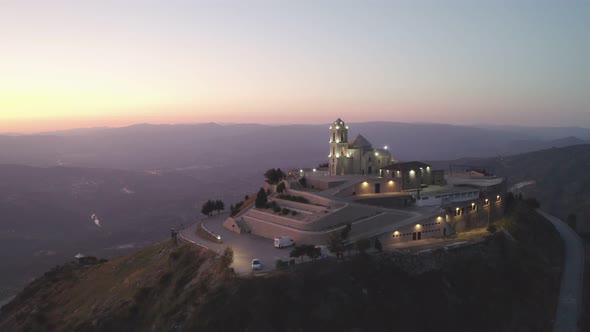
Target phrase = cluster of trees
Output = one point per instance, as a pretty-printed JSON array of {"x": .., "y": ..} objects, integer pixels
[
  {"x": 308, "y": 250},
  {"x": 212, "y": 205},
  {"x": 274, "y": 176}
]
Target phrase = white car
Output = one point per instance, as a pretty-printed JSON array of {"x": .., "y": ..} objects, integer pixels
[{"x": 256, "y": 264}]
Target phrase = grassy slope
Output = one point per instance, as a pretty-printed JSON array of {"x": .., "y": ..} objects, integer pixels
[{"x": 118, "y": 294}]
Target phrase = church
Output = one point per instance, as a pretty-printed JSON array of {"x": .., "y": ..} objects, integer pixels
[{"x": 357, "y": 156}]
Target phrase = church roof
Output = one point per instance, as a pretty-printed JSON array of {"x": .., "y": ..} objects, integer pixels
[
  {"x": 360, "y": 142},
  {"x": 339, "y": 122}
]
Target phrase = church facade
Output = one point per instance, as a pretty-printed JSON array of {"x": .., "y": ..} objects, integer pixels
[{"x": 357, "y": 156}]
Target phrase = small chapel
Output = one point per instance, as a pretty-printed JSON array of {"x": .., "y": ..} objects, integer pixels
[{"x": 357, "y": 156}]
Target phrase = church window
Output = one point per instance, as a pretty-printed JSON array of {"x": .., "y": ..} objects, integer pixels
[
  {"x": 333, "y": 137},
  {"x": 333, "y": 150},
  {"x": 341, "y": 137},
  {"x": 342, "y": 152}
]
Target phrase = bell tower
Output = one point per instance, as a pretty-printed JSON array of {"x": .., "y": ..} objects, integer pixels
[{"x": 338, "y": 147}]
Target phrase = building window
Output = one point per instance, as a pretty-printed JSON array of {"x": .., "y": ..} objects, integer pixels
[
  {"x": 498, "y": 198},
  {"x": 486, "y": 202},
  {"x": 342, "y": 152},
  {"x": 341, "y": 137}
]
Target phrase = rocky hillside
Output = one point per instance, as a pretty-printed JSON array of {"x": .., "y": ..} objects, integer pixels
[{"x": 500, "y": 284}]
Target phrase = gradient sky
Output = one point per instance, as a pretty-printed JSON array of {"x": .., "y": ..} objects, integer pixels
[{"x": 67, "y": 64}]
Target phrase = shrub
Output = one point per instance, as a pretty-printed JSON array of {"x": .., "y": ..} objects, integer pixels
[
  {"x": 293, "y": 212},
  {"x": 280, "y": 264},
  {"x": 285, "y": 211},
  {"x": 228, "y": 257},
  {"x": 297, "y": 199},
  {"x": 276, "y": 208}
]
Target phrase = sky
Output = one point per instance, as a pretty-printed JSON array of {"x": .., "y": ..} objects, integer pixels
[{"x": 70, "y": 64}]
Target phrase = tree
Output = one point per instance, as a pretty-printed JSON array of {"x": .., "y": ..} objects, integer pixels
[
  {"x": 208, "y": 207},
  {"x": 313, "y": 252},
  {"x": 572, "y": 221},
  {"x": 335, "y": 244},
  {"x": 281, "y": 187},
  {"x": 378, "y": 245},
  {"x": 273, "y": 176},
  {"x": 296, "y": 252},
  {"x": 261, "y": 199},
  {"x": 219, "y": 205},
  {"x": 362, "y": 245}
]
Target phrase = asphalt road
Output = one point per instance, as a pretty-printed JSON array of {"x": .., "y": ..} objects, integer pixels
[
  {"x": 569, "y": 308},
  {"x": 245, "y": 246}
]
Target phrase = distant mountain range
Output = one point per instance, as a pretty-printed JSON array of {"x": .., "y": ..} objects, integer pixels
[{"x": 199, "y": 146}]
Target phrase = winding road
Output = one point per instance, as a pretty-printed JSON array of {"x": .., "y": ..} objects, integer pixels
[{"x": 569, "y": 308}]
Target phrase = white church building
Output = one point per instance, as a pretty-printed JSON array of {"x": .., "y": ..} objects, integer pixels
[{"x": 355, "y": 157}]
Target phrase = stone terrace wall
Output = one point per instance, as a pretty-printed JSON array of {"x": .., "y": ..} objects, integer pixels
[
  {"x": 299, "y": 206},
  {"x": 314, "y": 199},
  {"x": 270, "y": 230}
]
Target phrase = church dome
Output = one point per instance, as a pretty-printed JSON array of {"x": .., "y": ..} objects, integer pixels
[{"x": 339, "y": 122}]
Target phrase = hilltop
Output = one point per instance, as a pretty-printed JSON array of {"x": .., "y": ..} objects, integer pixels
[{"x": 183, "y": 288}]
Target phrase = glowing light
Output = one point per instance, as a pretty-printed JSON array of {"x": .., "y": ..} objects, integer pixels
[
  {"x": 337, "y": 127},
  {"x": 396, "y": 233},
  {"x": 365, "y": 183},
  {"x": 300, "y": 171},
  {"x": 385, "y": 147},
  {"x": 330, "y": 127},
  {"x": 418, "y": 225},
  {"x": 346, "y": 127},
  {"x": 439, "y": 218},
  {"x": 376, "y": 153},
  {"x": 391, "y": 183},
  {"x": 314, "y": 169},
  {"x": 218, "y": 237}
]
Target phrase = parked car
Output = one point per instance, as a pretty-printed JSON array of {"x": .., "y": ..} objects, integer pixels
[
  {"x": 256, "y": 264},
  {"x": 284, "y": 241}
]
